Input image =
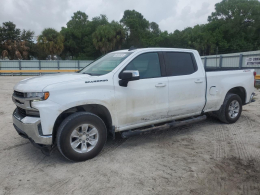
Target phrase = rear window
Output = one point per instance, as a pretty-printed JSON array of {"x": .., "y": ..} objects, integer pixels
[{"x": 178, "y": 63}]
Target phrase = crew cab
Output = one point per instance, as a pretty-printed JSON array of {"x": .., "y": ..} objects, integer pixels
[{"x": 130, "y": 91}]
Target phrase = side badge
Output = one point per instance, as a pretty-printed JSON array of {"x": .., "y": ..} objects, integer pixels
[{"x": 96, "y": 81}]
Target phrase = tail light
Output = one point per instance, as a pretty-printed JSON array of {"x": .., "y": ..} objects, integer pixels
[{"x": 254, "y": 77}]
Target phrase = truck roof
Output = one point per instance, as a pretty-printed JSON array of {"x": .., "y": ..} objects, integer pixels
[{"x": 154, "y": 49}]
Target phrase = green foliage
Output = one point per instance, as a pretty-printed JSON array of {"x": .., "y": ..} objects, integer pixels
[
  {"x": 136, "y": 27},
  {"x": 10, "y": 32},
  {"x": 108, "y": 37},
  {"x": 75, "y": 34},
  {"x": 234, "y": 26},
  {"x": 238, "y": 22},
  {"x": 78, "y": 36},
  {"x": 14, "y": 43},
  {"x": 51, "y": 42},
  {"x": 27, "y": 36}
]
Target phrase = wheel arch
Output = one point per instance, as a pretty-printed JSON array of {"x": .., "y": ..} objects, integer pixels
[
  {"x": 97, "y": 109},
  {"x": 240, "y": 91}
]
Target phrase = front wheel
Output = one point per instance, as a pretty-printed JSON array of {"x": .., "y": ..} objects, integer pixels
[
  {"x": 231, "y": 109},
  {"x": 81, "y": 136}
]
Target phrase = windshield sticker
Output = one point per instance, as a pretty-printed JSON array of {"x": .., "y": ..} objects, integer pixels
[
  {"x": 119, "y": 55},
  {"x": 96, "y": 81}
]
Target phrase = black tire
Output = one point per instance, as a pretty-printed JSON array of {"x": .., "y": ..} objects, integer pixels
[
  {"x": 66, "y": 128},
  {"x": 223, "y": 115}
]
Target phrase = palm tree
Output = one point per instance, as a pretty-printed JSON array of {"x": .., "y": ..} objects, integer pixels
[
  {"x": 15, "y": 50},
  {"x": 51, "y": 42},
  {"x": 108, "y": 37},
  {"x": 119, "y": 34}
]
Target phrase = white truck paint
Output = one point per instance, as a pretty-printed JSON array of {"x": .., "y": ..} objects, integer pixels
[{"x": 143, "y": 102}]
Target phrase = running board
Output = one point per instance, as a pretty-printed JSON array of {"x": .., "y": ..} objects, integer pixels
[{"x": 188, "y": 121}]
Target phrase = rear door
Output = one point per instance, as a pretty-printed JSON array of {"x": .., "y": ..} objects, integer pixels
[
  {"x": 144, "y": 100},
  {"x": 187, "y": 84}
]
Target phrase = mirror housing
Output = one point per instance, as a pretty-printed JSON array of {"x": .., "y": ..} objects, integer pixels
[{"x": 128, "y": 75}]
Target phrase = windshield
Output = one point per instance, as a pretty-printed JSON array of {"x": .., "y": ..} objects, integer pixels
[{"x": 105, "y": 64}]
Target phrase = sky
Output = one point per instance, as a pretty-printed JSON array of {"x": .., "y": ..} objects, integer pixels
[{"x": 171, "y": 15}]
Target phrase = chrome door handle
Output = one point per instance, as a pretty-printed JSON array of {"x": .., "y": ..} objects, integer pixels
[
  {"x": 198, "y": 81},
  {"x": 160, "y": 85}
]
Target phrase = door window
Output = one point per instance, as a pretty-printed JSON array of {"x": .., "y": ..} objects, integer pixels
[
  {"x": 179, "y": 63},
  {"x": 147, "y": 64}
]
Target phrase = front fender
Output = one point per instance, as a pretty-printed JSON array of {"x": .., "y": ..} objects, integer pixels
[{"x": 64, "y": 96}]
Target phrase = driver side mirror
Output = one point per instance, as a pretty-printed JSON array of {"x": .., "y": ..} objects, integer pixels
[{"x": 128, "y": 75}]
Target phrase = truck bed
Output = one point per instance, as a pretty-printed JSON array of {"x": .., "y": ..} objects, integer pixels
[{"x": 220, "y": 81}]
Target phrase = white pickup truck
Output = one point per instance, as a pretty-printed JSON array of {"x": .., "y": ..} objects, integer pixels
[{"x": 129, "y": 91}]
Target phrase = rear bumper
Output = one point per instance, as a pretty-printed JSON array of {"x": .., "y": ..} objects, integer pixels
[
  {"x": 251, "y": 98},
  {"x": 28, "y": 127}
]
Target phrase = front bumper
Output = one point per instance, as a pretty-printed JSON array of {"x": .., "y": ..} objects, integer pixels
[{"x": 28, "y": 127}]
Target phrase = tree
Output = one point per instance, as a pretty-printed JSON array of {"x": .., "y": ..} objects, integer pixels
[
  {"x": 119, "y": 35},
  {"x": 234, "y": 26},
  {"x": 27, "y": 35},
  {"x": 243, "y": 11},
  {"x": 239, "y": 23},
  {"x": 154, "y": 28},
  {"x": 90, "y": 50},
  {"x": 15, "y": 44},
  {"x": 108, "y": 37},
  {"x": 136, "y": 26},
  {"x": 78, "y": 19},
  {"x": 10, "y": 32},
  {"x": 78, "y": 36},
  {"x": 74, "y": 34},
  {"x": 51, "y": 42}
]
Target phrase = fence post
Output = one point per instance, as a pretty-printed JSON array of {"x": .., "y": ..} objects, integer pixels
[
  {"x": 78, "y": 65},
  {"x": 220, "y": 61},
  {"x": 40, "y": 66},
  {"x": 205, "y": 62},
  {"x": 58, "y": 65},
  {"x": 240, "y": 60},
  {"x": 20, "y": 66}
]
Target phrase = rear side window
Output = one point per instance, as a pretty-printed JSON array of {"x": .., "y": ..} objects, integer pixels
[{"x": 179, "y": 63}]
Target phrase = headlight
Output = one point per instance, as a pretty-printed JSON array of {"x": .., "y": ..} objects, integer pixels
[{"x": 38, "y": 95}]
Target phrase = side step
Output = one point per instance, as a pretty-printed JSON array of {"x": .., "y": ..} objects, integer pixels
[{"x": 188, "y": 121}]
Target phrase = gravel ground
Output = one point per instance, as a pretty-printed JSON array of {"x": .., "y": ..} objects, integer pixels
[{"x": 205, "y": 158}]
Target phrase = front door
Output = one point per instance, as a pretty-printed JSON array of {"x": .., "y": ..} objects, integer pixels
[{"x": 144, "y": 100}]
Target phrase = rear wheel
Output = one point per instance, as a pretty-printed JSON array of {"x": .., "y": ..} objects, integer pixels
[
  {"x": 231, "y": 109},
  {"x": 81, "y": 136}
]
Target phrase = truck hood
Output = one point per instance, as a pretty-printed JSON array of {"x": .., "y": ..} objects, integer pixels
[{"x": 37, "y": 84}]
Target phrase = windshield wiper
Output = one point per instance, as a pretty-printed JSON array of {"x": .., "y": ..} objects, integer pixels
[{"x": 91, "y": 74}]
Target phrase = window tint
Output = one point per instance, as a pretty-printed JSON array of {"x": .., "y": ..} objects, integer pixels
[
  {"x": 179, "y": 64},
  {"x": 147, "y": 64}
]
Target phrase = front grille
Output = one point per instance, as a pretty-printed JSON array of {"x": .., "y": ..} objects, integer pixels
[
  {"x": 21, "y": 112},
  {"x": 19, "y": 94}
]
